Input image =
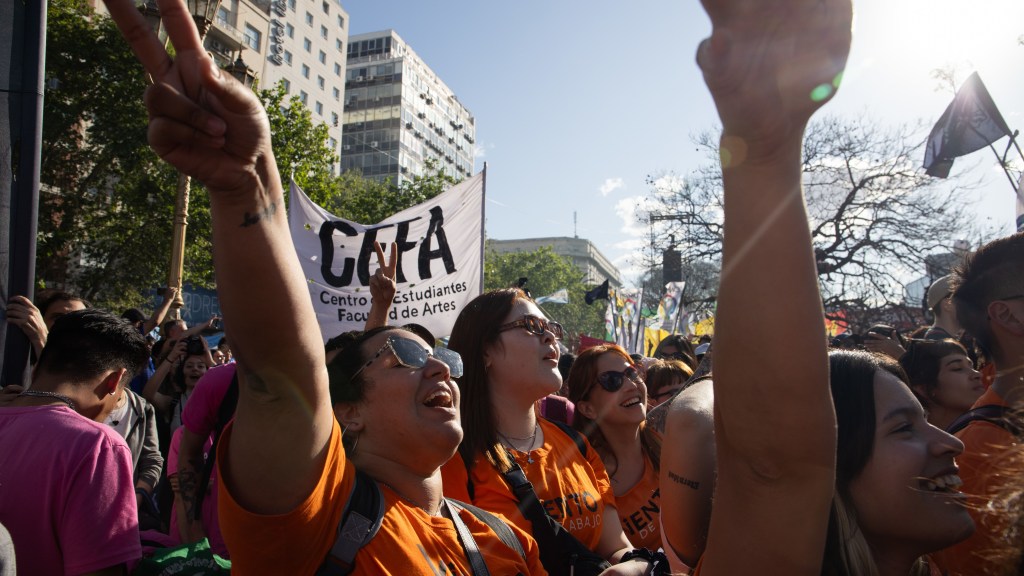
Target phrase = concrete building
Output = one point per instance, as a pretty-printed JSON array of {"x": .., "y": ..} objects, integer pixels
[
  {"x": 595, "y": 267},
  {"x": 398, "y": 113}
]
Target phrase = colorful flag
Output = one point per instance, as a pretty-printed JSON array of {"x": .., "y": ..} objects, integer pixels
[
  {"x": 668, "y": 308},
  {"x": 440, "y": 263},
  {"x": 969, "y": 123},
  {"x": 556, "y": 297}
]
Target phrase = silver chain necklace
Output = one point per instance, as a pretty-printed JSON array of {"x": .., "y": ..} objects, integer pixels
[
  {"x": 46, "y": 394},
  {"x": 532, "y": 438}
]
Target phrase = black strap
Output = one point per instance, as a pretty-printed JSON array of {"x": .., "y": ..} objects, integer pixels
[
  {"x": 497, "y": 525},
  {"x": 359, "y": 523},
  {"x": 476, "y": 560},
  {"x": 991, "y": 413},
  {"x": 225, "y": 412},
  {"x": 571, "y": 432}
]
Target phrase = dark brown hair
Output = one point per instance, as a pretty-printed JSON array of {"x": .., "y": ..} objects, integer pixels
[
  {"x": 582, "y": 379},
  {"x": 995, "y": 271},
  {"x": 477, "y": 327},
  {"x": 922, "y": 363}
]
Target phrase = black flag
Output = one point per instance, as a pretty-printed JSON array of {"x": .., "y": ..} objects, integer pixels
[
  {"x": 597, "y": 293},
  {"x": 970, "y": 123}
]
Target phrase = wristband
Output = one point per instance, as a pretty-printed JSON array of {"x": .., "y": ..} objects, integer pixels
[{"x": 657, "y": 561}]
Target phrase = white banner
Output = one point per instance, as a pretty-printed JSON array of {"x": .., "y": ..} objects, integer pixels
[{"x": 439, "y": 259}]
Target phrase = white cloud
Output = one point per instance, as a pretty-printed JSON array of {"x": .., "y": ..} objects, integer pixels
[{"x": 610, "y": 185}]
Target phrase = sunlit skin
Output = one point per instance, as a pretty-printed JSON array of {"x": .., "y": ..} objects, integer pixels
[{"x": 900, "y": 515}]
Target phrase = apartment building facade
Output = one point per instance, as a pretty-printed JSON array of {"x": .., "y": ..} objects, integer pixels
[{"x": 398, "y": 114}]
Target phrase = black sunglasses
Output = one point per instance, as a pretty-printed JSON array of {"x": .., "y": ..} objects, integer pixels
[
  {"x": 534, "y": 325},
  {"x": 412, "y": 354},
  {"x": 612, "y": 381}
]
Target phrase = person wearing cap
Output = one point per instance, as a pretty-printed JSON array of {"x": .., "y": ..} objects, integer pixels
[{"x": 942, "y": 308}]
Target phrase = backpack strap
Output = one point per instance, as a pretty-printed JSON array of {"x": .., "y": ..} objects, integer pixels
[
  {"x": 497, "y": 525},
  {"x": 991, "y": 413},
  {"x": 359, "y": 523},
  {"x": 225, "y": 412},
  {"x": 573, "y": 433},
  {"x": 476, "y": 560}
]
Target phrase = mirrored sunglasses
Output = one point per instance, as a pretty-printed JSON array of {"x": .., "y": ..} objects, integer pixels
[
  {"x": 412, "y": 354},
  {"x": 535, "y": 325},
  {"x": 612, "y": 381}
]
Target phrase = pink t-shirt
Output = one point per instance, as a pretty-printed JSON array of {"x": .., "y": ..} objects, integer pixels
[
  {"x": 66, "y": 492},
  {"x": 200, "y": 417},
  {"x": 211, "y": 524}
]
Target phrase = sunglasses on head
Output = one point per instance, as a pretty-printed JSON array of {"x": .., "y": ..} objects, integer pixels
[
  {"x": 412, "y": 354},
  {"x": 611, "y": 381},
  {"x": 535, "y": 325}
]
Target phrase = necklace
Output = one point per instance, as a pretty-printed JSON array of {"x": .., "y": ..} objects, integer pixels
[
  {"x": 435, "y": 513},
  {"x": 530, "y": 448},
  {"x": 46, "y": 394}
]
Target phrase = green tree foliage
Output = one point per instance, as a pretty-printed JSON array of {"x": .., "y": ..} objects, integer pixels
[
  {"x": 548, "y": 272},
  {"x": 301, "y": 147},
  {"x": 367, "y": 202},
  {"x": 104, "y": 192}
]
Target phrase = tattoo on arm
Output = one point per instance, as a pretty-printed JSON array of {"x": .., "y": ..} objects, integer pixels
[
  {"x": 253, "y": 219},
  {"x": 684, "y": 481},
  {"x": 188, "y": 483}
]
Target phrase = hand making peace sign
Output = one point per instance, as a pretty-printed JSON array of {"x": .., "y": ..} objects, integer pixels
[
  {"x": 382, "y": 283},
  {"x": 201, "y": 120}
]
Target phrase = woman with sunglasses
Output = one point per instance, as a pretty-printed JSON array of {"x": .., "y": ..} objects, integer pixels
[
  {"x": 510, "y": 352},
  {"x": 611, "y": 399},
  {"x": 664, "y": 379}
]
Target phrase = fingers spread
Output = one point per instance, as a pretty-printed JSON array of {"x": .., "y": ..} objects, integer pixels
[
  {"x": 181, "y": 28},
  {"x": 146, "y": 46}
]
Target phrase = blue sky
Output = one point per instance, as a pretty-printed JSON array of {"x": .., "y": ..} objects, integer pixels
[{"x": 576, "y": 103}]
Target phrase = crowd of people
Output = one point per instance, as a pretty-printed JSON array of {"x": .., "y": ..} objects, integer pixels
[{"x": 769, "y": 450}]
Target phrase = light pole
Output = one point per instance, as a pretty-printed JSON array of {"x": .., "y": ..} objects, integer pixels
[{"x": 203, "y": 12}]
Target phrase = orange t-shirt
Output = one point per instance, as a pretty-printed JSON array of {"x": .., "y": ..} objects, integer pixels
[
  {"x": 573, "y": 490},
  {"x": 409, "y": 541},
  {"x": 640, "y": 510},
  {"x": 979, "y": 470}
]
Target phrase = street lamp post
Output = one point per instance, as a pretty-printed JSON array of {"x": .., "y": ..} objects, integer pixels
[{"x": 203, "y": 12}]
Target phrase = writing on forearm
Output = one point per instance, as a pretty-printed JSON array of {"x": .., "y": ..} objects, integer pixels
[
  {"x": 249, "y": 219},
  {"x": 684, "y": 481}
]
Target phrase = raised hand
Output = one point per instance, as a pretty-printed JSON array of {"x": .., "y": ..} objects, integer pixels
[
  {"x": 769, "y": 64},
  {"x": 23, "y": 314},
  {"x": 382, "y": 287},
  {"x": 201, "y": 120}
]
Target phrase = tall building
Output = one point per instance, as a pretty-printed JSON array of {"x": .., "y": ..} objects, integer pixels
[
  {"x": 595, "y": 267},
  {"x": 398, "y": 114}
]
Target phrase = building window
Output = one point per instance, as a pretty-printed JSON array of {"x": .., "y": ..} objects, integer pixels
[
  {"x": 305, "y": 71},
  {"x": 338, "y": 44},
  {"x": 319, "y": 109},
  {"x": 337, "y": 94},
  {"x": 309, "y": 18},
  {"x": 307, "y": 45},
  {"x": 337, "y": 69},
  {"x": 290, "y": 30},
  {"x": 303, "y": 97},
  {"x": 327, "y": 8},
  {"x": 320, "y": 82},
  {"x": 222, "y": 16},
  {"x": 323, "y": 57},
  {"x": 341, "y": 21},
  {"x": 287, "y": 86},
  {"x": 288, "y": 57},
  {"x": 252, "y": 37},
  {"x": 291, "y": 4},
  {"x": 323, "y": 32},
  {"x": 334, "y": 118}
]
